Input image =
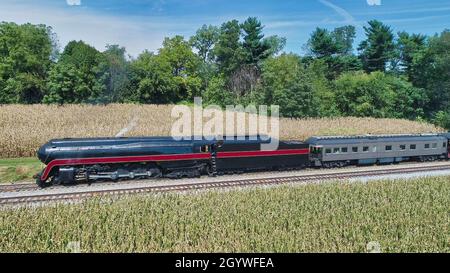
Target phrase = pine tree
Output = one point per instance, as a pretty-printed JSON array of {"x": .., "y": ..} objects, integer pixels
[
  {"x": 378, "y": 49},
  {"x": 228, "y": 50},
  {"x": 255, "y": 50}
]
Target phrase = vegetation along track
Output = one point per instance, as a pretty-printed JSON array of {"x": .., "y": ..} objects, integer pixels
[{"x": 43, "y": 196}]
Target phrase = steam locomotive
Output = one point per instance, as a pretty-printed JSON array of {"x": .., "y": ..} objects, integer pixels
[{"x": 73, "y": 160}]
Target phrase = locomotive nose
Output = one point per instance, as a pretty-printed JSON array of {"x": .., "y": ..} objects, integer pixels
[{"x": 42, "y": 153}]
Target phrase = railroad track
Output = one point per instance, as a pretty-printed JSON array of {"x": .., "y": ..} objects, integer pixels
[
  {"x": 43, "y": 196},
  {"x": 18, "y": 187}
]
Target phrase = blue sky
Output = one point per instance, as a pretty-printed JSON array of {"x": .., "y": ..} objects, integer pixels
[{"x": 142, "y": 24}]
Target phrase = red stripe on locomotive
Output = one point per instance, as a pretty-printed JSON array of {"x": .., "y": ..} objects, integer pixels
[{"x": 262, "y": 153}]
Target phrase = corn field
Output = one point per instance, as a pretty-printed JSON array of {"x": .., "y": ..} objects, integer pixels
[
  {"x": 23, "y": 128},
  {"x": 397, "y": 216}
]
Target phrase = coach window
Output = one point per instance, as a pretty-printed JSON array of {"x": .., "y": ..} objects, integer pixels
[
  {"x": 412, "y": 146},
  {"x": 355, "y": 149},
  {"x": 335, "y": 150},
  {"x": 344, "y": 149},
  {"x": 365, "y": 149},
  {"x": 388, "y": 147},
  {"x": 434, "y": 146},
  {"x": 328, "y": 151},
  {"x": 444, "y": 145},
  {"x": 427, "y": 146},
  {"x": 402, "y": 147}
]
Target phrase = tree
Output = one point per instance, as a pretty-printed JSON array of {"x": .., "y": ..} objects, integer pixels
[
  {"x": 178, "y": 54},
  {"x": 430, "y": 70},
  {"x": 285, "y": 84},
  {"x": 344, "y": 37},
  {"x": 168, "y": 77},
  {"x": 66, "y": 85},
  {"x": 410, "y": 101},
  {"x": 78, "y": 77},
  {"x": 184, "y": 64},
  {"x": 335, "y": 49},
  {"x": 324, "y": 100},
  {"x": 117, "y": 72},
  {"x": 151, "y": 80},
  {"x": 216, "y": 93},
  {"x": 364, "y": 95},
  {"x": 408, "y": 45},
  {"x": 378, "y": 48},
  {"x": 255, "y": 50},
  {"x": 275, "y": 44},
  {"x": 244, "y": 71},
  {"x": 378, "y": 95},
  {"x": 204, "y": 40},
  {"x": 442, "y": 118},
  {"x": 26, "y": 53},
  {"x": 228, "y": 50},
  {"x": 322, "y": 44}
]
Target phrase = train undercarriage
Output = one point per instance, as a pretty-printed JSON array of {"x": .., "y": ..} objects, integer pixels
[{"x": 66, "y": 175}]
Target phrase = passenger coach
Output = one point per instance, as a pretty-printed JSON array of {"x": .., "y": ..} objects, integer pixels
[{"x": 365, "y": 150}]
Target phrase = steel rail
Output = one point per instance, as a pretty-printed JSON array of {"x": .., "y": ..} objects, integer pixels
[{"x": 33, "y": 197}]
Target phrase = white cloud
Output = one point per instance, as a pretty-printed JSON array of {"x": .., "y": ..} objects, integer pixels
[
  {"x": 374, "y": 2},
  {"x": 73, "y": 2},
  {"x": 348, "y": 18}
]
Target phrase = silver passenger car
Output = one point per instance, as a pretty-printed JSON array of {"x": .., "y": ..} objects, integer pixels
[{"x": 339, "y": 151}]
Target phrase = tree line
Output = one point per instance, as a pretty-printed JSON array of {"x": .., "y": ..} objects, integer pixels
[{"x": 391, "y": 75}]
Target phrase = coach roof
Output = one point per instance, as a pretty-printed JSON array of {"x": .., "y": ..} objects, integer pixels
[{"x": 331, "y": 140}]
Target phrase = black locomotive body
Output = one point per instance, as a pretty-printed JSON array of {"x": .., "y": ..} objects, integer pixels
[
  {"x": 237, "y": 155},
  {"x": 72, "y": 160}
]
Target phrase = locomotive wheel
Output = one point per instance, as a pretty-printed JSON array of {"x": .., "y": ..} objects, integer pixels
[{"x": 210, "y": 171}]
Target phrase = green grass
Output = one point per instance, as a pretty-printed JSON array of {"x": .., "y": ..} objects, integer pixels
[
  {"x": 19, "y": 169},
  {"x": 402, "y": 216}
]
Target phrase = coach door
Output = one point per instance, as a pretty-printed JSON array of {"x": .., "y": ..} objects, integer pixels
[{"x": 448, "y": 149}]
